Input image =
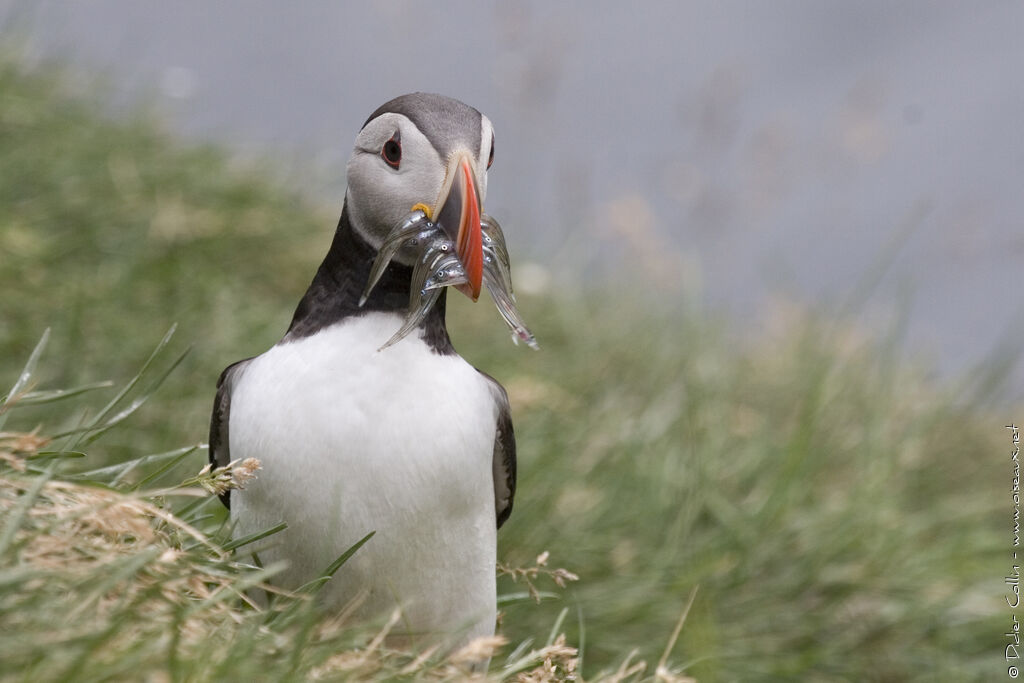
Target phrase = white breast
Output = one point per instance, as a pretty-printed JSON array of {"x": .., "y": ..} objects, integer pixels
[{"x": 354, "y": 440}]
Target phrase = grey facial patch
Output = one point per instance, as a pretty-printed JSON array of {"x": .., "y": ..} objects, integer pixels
[{"x": 447, "y": 123}]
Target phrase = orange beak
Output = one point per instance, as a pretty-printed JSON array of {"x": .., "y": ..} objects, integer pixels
[{"x": 459, "y": 215}]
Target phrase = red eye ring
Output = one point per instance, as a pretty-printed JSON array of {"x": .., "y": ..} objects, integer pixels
[{"x": 391, "y": 152}]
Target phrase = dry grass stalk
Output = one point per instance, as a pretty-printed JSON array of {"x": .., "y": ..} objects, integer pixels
[
  {"x": 15, "y": 447},
  {"x": 123, "y": 547},
  {"x": 558, "y": 662},
  {"x": 530, "y": 574},
  {"x": 220, "y": 480}
]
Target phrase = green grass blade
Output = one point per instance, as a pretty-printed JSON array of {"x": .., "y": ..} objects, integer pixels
[
  {"x": 34, "y": 398},
  {"x": 115, "y": 473},
  {"x": 160, "y": 471},
  {"x": 519, "y": 659},
  {"x": 46, "y": 455},
  {"x": 137, "y": 403},
  {"x": 556, "y": 628},
  {"x": 17, "y": 515},
  {"x": 24, "y": 377},
  {"x": 252, "y": 538},
  {"x": 95, "y": 423},
  {"x": 581, "y": 640},
  {"x": 138, "y": 376},
  {"x": 187, "y": 512},
  {"x": 525, "y": 596},
  {"x": 343, "y": 558},
  {"x": 314, "y": 585}
]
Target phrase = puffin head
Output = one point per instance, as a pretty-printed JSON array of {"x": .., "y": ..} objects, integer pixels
[{"x": 427, "y": 152}]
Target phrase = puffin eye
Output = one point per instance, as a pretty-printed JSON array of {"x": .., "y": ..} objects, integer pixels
[
  {"x": 490, "y": 158},
  {"x": 391, "y": 152}
]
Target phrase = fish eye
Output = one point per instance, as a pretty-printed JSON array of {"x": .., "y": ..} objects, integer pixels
[{"x": 391, "y": 152}]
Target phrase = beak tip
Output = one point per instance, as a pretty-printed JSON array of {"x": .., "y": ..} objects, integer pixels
[{"x": 470, "y": 290}]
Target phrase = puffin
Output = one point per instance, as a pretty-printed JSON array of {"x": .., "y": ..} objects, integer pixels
[{"x": 363, "y": 417}]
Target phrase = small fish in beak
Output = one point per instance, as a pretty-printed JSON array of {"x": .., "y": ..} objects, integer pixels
[{"x": 440, "y": 263}]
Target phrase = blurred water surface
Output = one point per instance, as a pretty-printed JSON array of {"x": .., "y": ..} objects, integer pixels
[{"x": 738, "y": 150}]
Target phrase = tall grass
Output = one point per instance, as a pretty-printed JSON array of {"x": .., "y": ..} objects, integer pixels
[
  {"x": 832, "y": 511},
  {"x": 103, "y": 576}
]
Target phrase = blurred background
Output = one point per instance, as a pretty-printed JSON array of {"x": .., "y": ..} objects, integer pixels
[
  {"x": 770, "y": 251},
  {"x": 741, "y": 150}
]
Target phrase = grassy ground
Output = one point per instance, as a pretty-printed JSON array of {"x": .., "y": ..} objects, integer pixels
[{"x": 839, "y": 515}]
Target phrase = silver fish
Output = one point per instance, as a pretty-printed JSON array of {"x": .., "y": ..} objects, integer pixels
[{"x": 437, "y": 266}]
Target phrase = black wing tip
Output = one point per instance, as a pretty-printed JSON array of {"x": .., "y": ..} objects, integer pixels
[
  {"x": 504, "y": 514},
  {"x": 219, "y": 421}
]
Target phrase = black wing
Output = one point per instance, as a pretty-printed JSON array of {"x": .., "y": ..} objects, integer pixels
[
  {"x": 220, "y": 447},
  {"x": 504, "y": 458}
]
